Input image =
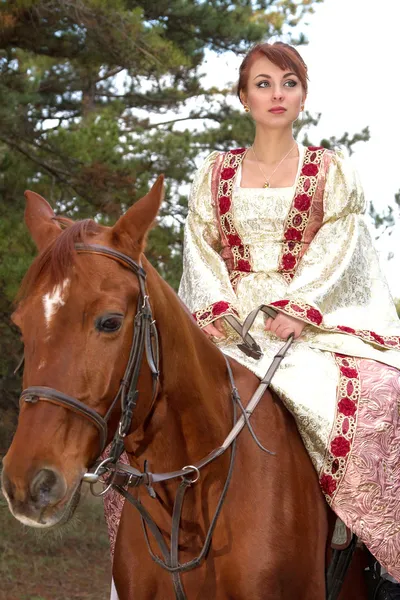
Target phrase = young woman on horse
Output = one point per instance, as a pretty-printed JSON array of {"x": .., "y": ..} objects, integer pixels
[
  {"x": 282, "y": 225},
  {"x": 112, "y": 355}
]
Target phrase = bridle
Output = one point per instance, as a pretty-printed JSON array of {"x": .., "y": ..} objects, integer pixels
[{"x": 145, "y": 342}]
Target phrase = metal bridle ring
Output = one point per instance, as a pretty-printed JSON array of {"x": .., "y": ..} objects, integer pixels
[
  {"x": 191, "y": 468},
  {"x": 96, "y": 472}
]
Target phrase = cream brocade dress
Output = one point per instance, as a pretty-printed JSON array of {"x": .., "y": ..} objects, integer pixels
[{"x": 307, "y": 251}]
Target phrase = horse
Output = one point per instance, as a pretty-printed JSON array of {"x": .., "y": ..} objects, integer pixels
[{"x": 76, "y": 311}]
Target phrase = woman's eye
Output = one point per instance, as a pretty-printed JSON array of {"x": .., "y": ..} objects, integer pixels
[
  {"x": 290, "y": 83},
  {"x": 263, "y": 84},
  {"x": 109, "y": 324}
]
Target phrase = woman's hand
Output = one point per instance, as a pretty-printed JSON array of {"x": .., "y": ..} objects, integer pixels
[
  {"x": 215, "y": 329},
  {"x": 282, "y": 326}
]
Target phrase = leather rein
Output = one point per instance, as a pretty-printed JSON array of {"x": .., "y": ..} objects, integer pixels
[{"x": 122, "y": 476}]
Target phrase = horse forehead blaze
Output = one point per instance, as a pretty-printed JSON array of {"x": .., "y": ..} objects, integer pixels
[{"x": 54, "y": 299}]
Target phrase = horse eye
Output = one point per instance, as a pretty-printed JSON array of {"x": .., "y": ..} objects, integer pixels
[{"x": 109, "y": 323}]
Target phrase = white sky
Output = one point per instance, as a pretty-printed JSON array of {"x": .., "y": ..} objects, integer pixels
[{"x": 353, "y": 58}]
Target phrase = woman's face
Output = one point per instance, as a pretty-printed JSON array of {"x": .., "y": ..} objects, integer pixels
[{"x": 274, "y": 96}]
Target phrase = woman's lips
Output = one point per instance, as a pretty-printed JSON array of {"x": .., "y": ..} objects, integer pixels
[{"x": 277, "y": 110}]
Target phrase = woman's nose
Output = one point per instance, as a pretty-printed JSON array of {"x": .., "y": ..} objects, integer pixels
[{"x": 277, "y": 93}]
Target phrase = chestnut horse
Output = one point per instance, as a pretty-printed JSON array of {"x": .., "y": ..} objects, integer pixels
[{"x": 77, "y": 314}]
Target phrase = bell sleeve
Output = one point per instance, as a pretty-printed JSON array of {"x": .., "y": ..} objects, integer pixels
[
  {"x": 339, "y": 285},
  {"x": 205, "y": 286}
]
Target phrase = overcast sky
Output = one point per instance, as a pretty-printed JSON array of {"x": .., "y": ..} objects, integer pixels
[{"x": 353, "y": 58}]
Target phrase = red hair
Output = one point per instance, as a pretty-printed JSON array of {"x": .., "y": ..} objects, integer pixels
[{"x": 282, "y": 55}]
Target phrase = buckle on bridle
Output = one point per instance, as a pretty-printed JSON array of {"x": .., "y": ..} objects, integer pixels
[{"x": 253, "y": 351}]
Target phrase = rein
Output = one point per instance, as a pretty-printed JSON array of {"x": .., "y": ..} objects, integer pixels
[{"x": 145, "y": 342}]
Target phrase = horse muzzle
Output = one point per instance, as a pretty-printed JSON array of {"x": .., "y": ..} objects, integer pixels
[{"x": 41, "y": 500}]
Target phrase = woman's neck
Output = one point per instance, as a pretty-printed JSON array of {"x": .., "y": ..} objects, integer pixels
[{"x": 271, "y": 145}]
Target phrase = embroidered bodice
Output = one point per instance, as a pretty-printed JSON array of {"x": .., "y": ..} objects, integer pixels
[{"x": 305, "y": 250}]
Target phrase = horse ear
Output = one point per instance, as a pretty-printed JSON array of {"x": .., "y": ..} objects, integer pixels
[
  {"x": 39, "y": 218},
  {"x": 136, "y": 222}
]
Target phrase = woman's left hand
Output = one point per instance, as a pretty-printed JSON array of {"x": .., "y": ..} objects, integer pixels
[{"x": 282, "y": 326}]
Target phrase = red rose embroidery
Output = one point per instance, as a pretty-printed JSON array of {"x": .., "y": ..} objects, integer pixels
[
  {"x": 315, "y": 148},
  {"x": 227, "y": 173},
  {"x": 219, "y": 308},
  {"x": 378, "y": 338},
  {"x": 224, "y": 204},
  {"x": 346, "y": 329},
  {"x": 243, "y": 265},
  {"x": 238, "y": 151},
  {"x": 288, "y": 261},
  {"x": 293, "y": 234},
  {"x": 234, "y": 240},
  {"x": 297, "y": 220},
  {"x": 280, "y": 303},
  {"x": 335, "y": 466},
  {"x": 349, "y": 372},
  {"x": 203, "y": 316},
  {"x": 340, "y": 446},
  {"x": 310, "y": 170},
  {"x": 297, "y": 308},
  {"x": 302, "y": 202},
  {"x": 347, "y": 407},
  {"x": 328, "y": 484},
  {"x": 314, "y": 315}
]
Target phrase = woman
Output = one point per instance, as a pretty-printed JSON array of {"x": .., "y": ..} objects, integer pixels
[{"x": 283, "y": 225}]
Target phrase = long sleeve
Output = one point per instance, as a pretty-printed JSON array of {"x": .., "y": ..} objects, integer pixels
[
  {"x": 339, "y": 285},
  {"x": 205, "y": 285}
]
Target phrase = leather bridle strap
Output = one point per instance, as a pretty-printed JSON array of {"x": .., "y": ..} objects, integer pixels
[
  {"x": 125, "y": 475},
  {"x": 35, "y": 393},
  {"x": 144, "y": 334},
  {"x": 170, "y": 560},
  {"x": 249, "y": 346}
]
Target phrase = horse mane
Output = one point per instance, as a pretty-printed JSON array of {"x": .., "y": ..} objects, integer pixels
[{"x": 59, "y": 256}]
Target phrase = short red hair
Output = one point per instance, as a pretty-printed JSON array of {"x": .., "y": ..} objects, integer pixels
[{"x": 282, "y": 55}]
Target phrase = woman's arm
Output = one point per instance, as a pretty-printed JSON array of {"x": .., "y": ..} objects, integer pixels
[{"x": 205, "y": 285}]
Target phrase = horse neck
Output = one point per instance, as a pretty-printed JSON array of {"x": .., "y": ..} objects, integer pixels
[{"x": 194, "y": 409}]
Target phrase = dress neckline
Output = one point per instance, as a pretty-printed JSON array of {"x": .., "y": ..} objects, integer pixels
[{"x": 238, "y": 177}]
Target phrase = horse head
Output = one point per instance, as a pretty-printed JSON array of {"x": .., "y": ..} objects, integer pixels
[{"x": 76, "y": 313}]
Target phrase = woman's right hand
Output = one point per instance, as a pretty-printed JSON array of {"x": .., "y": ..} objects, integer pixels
[{"x": 215, "y": 329}]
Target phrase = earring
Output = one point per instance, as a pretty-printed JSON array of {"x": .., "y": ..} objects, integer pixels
[
  {"x": 302, "y": 107},
  {"x": 246, "y": 108}
]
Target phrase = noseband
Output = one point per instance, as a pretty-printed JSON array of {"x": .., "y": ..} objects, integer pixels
[{"x": 145, "y": 340}]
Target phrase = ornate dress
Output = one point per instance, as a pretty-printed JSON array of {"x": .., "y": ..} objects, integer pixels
[{"x": 306, "y": 251}]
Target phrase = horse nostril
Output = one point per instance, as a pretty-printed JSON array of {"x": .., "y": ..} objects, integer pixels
[{"x": 47, "y": 487}]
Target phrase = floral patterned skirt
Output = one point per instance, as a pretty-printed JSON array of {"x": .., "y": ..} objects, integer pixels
[{"x": 347, "y": 412}]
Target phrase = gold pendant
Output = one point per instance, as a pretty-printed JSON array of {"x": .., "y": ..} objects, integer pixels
[{"x": 266, "y": 184}]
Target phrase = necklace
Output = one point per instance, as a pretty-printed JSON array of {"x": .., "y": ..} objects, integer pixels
[{"x": 268, "y": 179}]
